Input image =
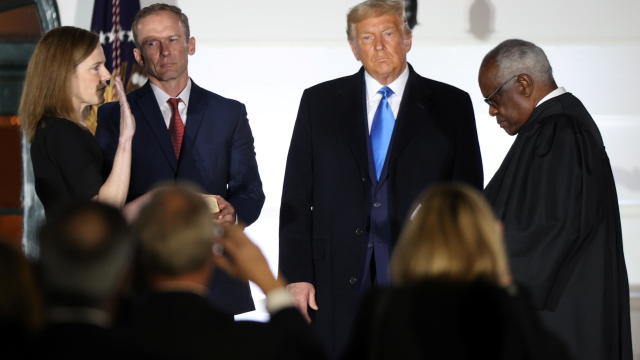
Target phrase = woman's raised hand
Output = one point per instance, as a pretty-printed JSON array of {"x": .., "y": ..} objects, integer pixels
[{"x": 127, "y": 121}]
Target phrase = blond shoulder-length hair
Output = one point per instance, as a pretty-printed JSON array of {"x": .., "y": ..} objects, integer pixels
[
  {"x": 47, "y": 85},
  {"x": 452, "y": 234}
]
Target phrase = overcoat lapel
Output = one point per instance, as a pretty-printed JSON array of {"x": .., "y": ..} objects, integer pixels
[
  {"x": 152, "y": 115},
  {"x": 412, "y": 115}
]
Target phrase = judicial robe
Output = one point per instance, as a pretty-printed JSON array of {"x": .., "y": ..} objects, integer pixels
[{"x": 556, "y": 196}]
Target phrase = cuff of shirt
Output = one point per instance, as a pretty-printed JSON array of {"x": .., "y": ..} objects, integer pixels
[{"x": 278, "y": 299}]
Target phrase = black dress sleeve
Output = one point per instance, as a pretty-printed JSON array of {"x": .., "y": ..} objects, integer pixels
[{"x": 67, "y": 163}]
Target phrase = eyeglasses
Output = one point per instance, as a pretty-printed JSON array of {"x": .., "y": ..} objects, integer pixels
[{"x": 489, "y": 99}]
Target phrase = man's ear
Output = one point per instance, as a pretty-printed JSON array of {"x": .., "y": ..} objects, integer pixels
[
  {"x": 137, "y": 54},
  {"x": 407, "y": 41},
  {"x": 526, "y": 84},
  {"x": 191, "y": 45}
]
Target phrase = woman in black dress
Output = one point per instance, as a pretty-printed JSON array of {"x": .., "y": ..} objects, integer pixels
[
  {"x": 65, "y": 76},
  {"x": 452, "y": 296}
]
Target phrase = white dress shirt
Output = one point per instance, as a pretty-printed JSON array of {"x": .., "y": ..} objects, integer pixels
[
  {"x": 373, "y": 98},
  {"x": 165, "y": 108},
  {"x": 557, "y": 92}
]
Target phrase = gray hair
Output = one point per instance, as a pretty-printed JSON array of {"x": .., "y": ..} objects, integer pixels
[
  {"x": 176, "y": 231},
  {"x": 515, "y": 56},
  {"x": 373, "y": 8}
]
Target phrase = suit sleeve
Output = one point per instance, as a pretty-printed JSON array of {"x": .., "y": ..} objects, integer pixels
[
  {"x": 468, "y": 161},
  {"x": 245, "y": 187},
  {"x": 107, "y": 133},
  {"x": 295, "y": 257}
]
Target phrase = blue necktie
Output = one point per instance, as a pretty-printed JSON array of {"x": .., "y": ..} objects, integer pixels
[{"x": 381, "y": 130}]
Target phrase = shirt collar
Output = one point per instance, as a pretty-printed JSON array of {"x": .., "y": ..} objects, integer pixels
[
  {"x": 162, "y": 96},
  {"x": 557, "y": 92},
  {"x": 397, "y": 85}
]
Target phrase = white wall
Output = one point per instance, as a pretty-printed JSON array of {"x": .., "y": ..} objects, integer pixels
[{"x": 264, "y": 53}]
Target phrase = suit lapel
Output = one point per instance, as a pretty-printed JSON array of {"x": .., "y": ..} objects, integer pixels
[
  {"x": 355, "y": 120},
  {"x": 195, "y": 115},
  {"x": 153, "y": 117}
]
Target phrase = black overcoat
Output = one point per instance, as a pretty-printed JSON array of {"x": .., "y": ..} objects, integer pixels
[{"x": 324, "y": 215}]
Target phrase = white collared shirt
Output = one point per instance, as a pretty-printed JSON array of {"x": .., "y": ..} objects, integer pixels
[
  {"x": 373, "y": 98},
  {"x": 165, "y": 108},
  {"x": 557, "y": 92}
]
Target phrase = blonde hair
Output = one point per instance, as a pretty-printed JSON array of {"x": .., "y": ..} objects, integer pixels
[
  {"x": 47, "y": 85},
  {"x": 176, "y": 231},
  {"x": 452, "y": 234},
  {"x": 374, "y": 8}
]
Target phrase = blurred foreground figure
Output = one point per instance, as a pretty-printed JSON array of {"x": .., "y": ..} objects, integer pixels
[
  {"x": 556, "y": 196},
  {"x": 452, "y": 296},
  {"x": 85, "y": 254},
  {"x": 176, "y": 320},
  {"x": 20, "y": 303}
]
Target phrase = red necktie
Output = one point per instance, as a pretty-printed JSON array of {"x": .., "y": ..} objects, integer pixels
[{"x": 176, "y": 126}]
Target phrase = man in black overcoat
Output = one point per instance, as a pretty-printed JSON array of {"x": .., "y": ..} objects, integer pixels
[
  {"x": 556, "y": 196},
  {"x": 346, "y": 193}
]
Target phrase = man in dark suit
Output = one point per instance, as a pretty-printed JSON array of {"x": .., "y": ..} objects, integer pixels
[
  {"x": 362, "y": 149},
  {"x": 186, "y": 133},
  {"x": 175, "y": 320},
  {"x": 556, "y": 196}
]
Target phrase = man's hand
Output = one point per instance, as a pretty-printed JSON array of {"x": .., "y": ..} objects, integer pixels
[
  {"x": 227, "y": 213},
  {"x": 244, "y": 260},
  {"x": 304, "y": 295}
]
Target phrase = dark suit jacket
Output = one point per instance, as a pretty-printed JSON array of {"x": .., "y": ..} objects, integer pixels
[
  {"x": 437, "y": 319},
  {"x": 183, "y": 325},
  {"x": 326, "y": 203},
  {"x": 217, "y": 155}
]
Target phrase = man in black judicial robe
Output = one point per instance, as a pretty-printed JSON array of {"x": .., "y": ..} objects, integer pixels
[{"x": 556, "y": 196}]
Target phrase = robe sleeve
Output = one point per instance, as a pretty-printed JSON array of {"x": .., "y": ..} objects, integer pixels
[{"x": 543, "y": 220}]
